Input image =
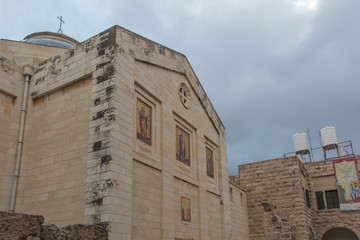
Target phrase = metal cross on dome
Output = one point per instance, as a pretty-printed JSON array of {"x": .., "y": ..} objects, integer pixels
[{"x": 61, "y": 21}]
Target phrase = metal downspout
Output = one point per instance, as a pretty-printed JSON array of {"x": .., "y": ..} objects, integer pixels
[{"x": 21, "y": 139}]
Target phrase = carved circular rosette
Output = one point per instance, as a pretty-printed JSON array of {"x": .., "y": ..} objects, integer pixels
[{"x": 185, "y": 95}]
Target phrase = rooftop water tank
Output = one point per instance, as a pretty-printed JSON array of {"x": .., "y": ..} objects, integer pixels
[
  {"x": 328, "y": 138},
  {"x": 341, "y": 151},
  {"x": 300, "y": 143}
]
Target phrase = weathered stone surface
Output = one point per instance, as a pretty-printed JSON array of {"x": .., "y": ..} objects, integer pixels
[
  {"x": 20, "y": 226},
  {"x": 16, "y": 226},
  {"x": 276, "y": 199},
  {"x": 83, "y": 232},
  {"x": 50, "y": 232}
]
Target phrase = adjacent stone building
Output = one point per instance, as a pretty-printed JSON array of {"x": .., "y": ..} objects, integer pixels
[
  {"x": 288, "y": 199},
  {"x": 118, "y": 131}
]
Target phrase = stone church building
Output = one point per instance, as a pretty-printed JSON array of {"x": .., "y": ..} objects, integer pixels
[{"x": 118, "y": 131}]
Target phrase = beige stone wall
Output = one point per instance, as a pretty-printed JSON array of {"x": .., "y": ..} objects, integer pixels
[
  {"x": 186, "y": 231},
  {"x": 146, "y": 202},
  {"x": 239, "y": 213},
  {"x": 11, "y": 96},
  {"x": 214, "y": 216},
  {"x": 323, "y": 179},
  {"x": 276, "y": 199},
  {"x": 14, "y": 56},
  {"x": 53, "y": 172}
]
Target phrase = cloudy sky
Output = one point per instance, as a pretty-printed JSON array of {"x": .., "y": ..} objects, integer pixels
[{"x": 271, "y": 68}]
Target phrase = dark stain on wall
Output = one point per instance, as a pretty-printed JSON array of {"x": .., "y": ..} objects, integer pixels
[
  {"x": 106, "y": 39},
  {"x": 101, "y": 65},
  {"x": 101, "y": 114},
  {"x": 96, "y": 190},
  {"x": 162, "y": 50},
  {"x": 109, "y": 90},
  {"x": 34, "y": 94},
  {"x": 105, "y": 159},
  {"x": 97, "y": 146},
  {"x": 107, "y": 73},
  {"x": 97, "y": 101},
  {"x": 71, "y": 53},
  {"x": 4, "y": 66},
  {"x": 104, "y": 114},
  {"x": 97, "y": 128},
  {"x": 40, "y": 80},
  {"x": 97, "y": 201},
  {"x": 111, "y": 117}
]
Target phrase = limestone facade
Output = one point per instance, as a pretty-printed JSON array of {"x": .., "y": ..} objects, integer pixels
[
  {"x": 84, "y": 159},
  {"x": 239, "y": 212}
]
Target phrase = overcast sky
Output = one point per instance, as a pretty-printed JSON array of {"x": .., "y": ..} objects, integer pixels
[{"x": 271, "y": 68}]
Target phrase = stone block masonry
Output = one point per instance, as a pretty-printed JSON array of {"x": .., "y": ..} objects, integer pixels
[
  {"x": 276, "y": 199},
  {"x": 323, "y": 179},
  {"x": 26, "y": 226}
]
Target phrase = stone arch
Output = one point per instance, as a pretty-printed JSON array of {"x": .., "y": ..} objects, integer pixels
[{"x": 339, "y": 233}]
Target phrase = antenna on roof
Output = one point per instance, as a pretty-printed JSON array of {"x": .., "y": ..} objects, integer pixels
[{"x": 61, "y": 21}]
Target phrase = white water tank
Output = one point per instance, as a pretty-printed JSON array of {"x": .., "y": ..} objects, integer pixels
[
  {"x": 300, "y": 143},
  {"x": 328, "y": 137},
  {"x": 341, "y": 151}
]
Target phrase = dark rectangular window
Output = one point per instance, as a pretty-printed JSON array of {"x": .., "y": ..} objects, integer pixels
[
  {"x": 307, "y": 198},
  {"x": 320, "y": 200},
  {"x": 332, "y": 199}
]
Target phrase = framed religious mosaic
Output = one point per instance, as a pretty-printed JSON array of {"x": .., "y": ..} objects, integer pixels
[
  {"x": 185, "y": 210},
  {"x": 209, "y": 163},
  {"x": 143, "y": 123},
  {"x": 182, "y": 146}
]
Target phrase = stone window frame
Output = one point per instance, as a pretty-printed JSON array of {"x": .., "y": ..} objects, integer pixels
[
  {"x": 143, "y": 152},
  {"x": 214, "y": 148},
  {"x": 181, "y": 169}
]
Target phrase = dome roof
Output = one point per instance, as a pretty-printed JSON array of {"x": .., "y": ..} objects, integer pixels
[{"x": 51, "y": 39}]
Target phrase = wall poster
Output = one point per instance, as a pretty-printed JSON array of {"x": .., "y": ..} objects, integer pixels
[
  {"x": 143, "y": 123},
  {"x": 209, "y": 163},
  {"x": 182, "y": 146},
  {"x": 347, "y": 183},
  {"x": 185, "y": 210}
]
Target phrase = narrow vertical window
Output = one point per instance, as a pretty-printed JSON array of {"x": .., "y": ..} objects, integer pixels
[
  {"x": 308, "y": 204},
  {"x": 320, "y": 200},
  {"x": 231, "y": 195}
]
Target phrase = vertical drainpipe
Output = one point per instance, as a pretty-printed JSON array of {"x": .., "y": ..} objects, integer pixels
[{"x": 27, "y": 73}]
